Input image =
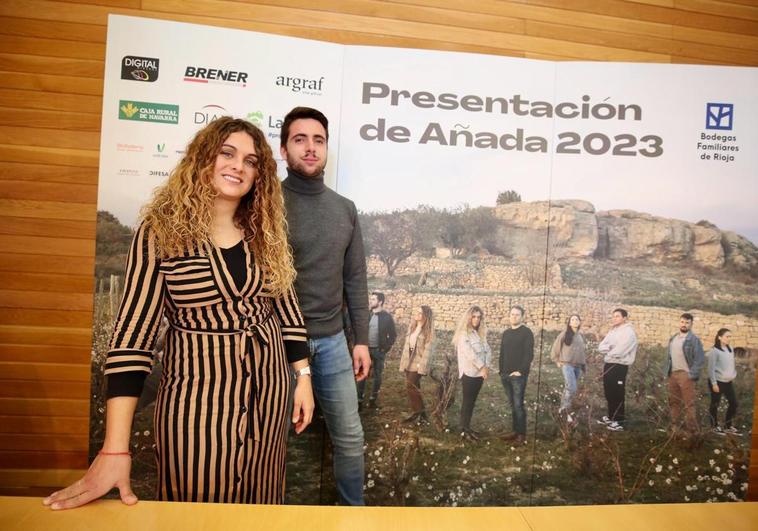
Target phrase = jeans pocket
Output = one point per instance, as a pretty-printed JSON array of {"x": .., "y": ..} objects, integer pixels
[{"x": 330, "y": 355}]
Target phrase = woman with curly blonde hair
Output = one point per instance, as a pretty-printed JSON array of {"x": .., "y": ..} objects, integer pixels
[
  {"x": 210, "y": 256},
  {"x": 474, "y": 359}
]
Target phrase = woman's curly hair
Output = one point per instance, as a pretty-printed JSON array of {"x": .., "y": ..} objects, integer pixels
[{"x": 180, "y": 214}]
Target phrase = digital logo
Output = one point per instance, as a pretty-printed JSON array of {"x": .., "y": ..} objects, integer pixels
[
  {"x": 200, "y": 74},
  {"x": 719, "y": 116},
  {"x": 145, "y": 111},
  {"x": 209, "y": 113},
  {"x": 139, "y": 68},
  {"x": 301, "y": 84},
  {"x": 160, "y": 147}
]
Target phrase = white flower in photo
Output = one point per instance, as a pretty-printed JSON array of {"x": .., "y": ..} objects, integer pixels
[
  {"x": 370, "y": 483},
  {"x": 668, "y": 481},
  {"x": 651, "y": 482},
  {"x": 675, "y": 461},
  {"x": 716, "y": 451},
  {"x": 658, "y": 468},
  {"x": 687, "y": 498}
]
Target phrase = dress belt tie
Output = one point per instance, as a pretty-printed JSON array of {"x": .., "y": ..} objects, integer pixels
[{"x": 253, "y": 330}]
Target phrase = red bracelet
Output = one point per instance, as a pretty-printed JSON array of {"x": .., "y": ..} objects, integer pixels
[{"x": 103, "y": 452}]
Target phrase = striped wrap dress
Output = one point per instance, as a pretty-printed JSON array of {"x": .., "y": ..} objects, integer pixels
[{"x": 220, "y": 415}]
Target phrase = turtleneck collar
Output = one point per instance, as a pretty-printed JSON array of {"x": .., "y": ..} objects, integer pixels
[{"x": 304, "y": 185}]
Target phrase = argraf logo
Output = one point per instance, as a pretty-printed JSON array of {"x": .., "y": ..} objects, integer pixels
[
  {"x": 129, "y": 109},
  {"x": 298, "y": 84}
]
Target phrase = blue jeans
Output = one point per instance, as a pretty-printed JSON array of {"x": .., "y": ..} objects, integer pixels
[
  {"x": 515, "y": 386},
  {"x": 334, "y": 387},
  {"x": 571, "y": 375},
  {"x": 377, "y": 369}
]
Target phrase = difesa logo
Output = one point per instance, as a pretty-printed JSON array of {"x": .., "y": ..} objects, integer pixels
[
  {"x": 145, "y": 111},
  {"x": 304, "y": 85},
  {"x": 202, "y": 74},
  {"x": 136, "y": 68}
]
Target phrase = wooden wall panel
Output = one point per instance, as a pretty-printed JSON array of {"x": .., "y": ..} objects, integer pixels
[{"x": 51, "y": 68}]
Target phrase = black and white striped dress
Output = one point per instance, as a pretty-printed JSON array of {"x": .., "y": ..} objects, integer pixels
[{"x": 220, "y": 415}]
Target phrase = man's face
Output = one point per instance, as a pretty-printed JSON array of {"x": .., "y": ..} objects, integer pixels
[
  {"x": 685, "y": 325},
  {"x": 617, "y": 319},
  {"x": 373, "y": 302},
  {"x": 515, "y": 317},
  {"x": 305, "y": 150}
]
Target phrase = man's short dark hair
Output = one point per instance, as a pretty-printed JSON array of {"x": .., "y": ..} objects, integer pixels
[
  {"x": 302, "y": 113},
  {"x": 687, "y": 316},
  {"x": 622, "y": 311},
  {"x": 379, "y": 296},
  {"x": 519, "y": 308}
]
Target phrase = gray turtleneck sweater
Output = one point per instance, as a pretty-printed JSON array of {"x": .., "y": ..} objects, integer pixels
[{"x": 328, "y": 250}]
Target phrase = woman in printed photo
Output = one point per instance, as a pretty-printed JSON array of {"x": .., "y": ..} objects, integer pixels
[
  {"x": 722, "y": 372},
  {"x": 570, "y": 354},
  {"x": 416, "y": 358},
  {"x": 474, "y": 359}
]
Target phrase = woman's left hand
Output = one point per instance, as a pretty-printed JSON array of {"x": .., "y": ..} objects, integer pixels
[{"x": 302, "y": 412}]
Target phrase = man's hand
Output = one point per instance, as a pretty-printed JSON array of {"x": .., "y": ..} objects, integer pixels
[
  {"x": 361, "y": 362},
  {"x": 515, "y": 373}
]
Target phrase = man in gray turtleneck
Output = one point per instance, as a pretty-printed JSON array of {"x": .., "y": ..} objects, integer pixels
[{"x": 331, "y": 269}]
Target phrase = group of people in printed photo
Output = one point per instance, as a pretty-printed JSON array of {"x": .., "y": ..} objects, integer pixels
[
  {"x": 685, "y": 362},
  {"x": 251, "y": 274}
]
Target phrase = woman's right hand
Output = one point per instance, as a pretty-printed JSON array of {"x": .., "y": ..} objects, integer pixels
[
  {"x": 715, "y": 388},
  {"x": 105, "y": 473}
]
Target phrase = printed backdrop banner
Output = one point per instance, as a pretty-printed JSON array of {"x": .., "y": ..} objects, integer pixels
[{"x": 566, "y": 189}]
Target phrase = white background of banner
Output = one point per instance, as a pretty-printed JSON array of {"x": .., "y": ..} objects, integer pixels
[{"x": 385, "y": 175}]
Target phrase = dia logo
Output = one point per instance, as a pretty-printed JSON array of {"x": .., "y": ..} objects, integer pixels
[{"x": 209, "y": 113}]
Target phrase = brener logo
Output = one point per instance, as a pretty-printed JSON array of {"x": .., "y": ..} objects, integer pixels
[
  {"x": 201, "y": 74},
  {"x": 139, "y": 68},
  {"x": 209, "y": 113},
  {"x": 719, "y": 116},
  {"x": 145, "y": 111},
  {"x": 301, "y": 84}
]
